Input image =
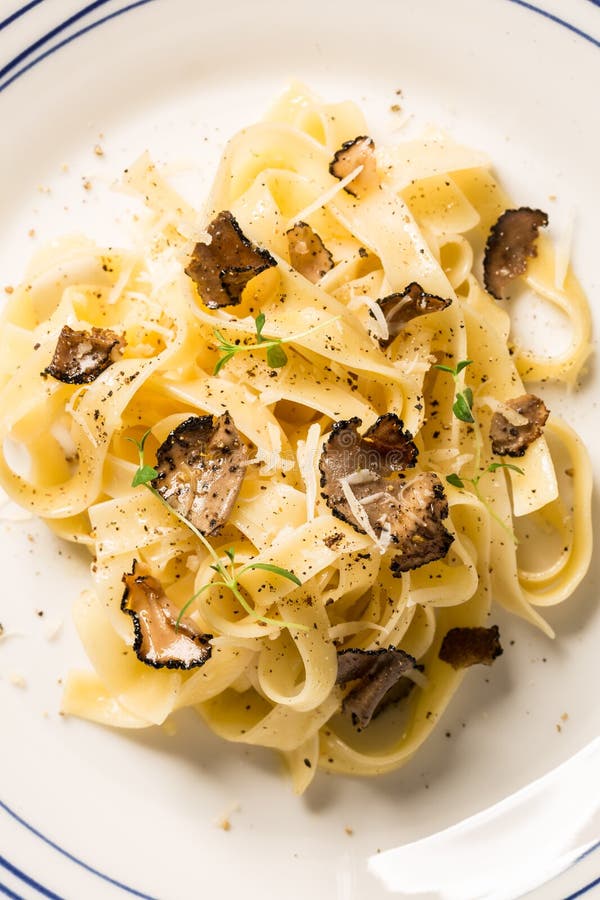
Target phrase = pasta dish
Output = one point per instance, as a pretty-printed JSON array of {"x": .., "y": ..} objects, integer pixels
[{"x": 293, "y": 432}]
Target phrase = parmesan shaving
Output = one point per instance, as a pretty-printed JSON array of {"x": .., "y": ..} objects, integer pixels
[
  {"x": 497, "y": 406},
  {"x": 306, "y": 453},
  {"x": 418, "y": 677},
  {"x": 357, "y": 510},
  {"x": 363, "y": 476},
  {"x": 379, "y": 325},
  {"x": 325, "y": 198}
]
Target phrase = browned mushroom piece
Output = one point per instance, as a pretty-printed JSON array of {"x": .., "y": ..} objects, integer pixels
[
  {"x": 81, "y": 356},
  {"x": 378, "y": 673},
  {"x": 400, "y": 309},
  {"x": 223, "y": 268},
  {"x": 361, "y": 483},
  {"x": 158, "y": 640},
  {"x": 358, "y": 152},
  {"x": 421, "y": 536},
  {"x": 510, "y": 244},
  {"x": 509, "y": 439},
  {"x": 201, "y": 466},
  {"x": 464, "y": 647},
  {"x": 308, "y": 253}
]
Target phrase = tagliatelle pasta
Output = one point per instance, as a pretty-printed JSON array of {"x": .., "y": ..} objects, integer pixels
[{"x": 379, "y": 340}]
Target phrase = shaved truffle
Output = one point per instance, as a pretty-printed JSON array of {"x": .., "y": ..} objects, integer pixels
[
  {"x": 201, "y": 466},
  {"x": 308, "y": 253},
  {"x": 366, "y": 460},
  {"x": 419, "y": 531},
  {"x": 378, "y": 671},
  {"x": 511, "y": 242},
  {"x": 362, "y": 485},
  {"x": 358, "y": 152},
  {"x": 400, "y": 309},
  {"x": 159, "y": 641},
  {"x": 223, "y": 268},
  {"x": 513, "y": 440},
  {"x": 463, "y": 647},
  {"x": 81, "y": 356}
]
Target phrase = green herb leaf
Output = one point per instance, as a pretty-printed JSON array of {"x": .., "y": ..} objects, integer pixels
[
  {"x": 455, "y": 480},
  {"x": 144, "y": 475},
  {"x": 276, "y": 356},
  {"x": 225, "y": 344},
  {"x": 195, "y": 596},
  {"x": 140, "y": 444},
  {"x": 462, "y": 409},
  {"x": 277, "y": 570},
  {"x": 260, "y": 324},
  {"x": 468, "y": 395},
  {"x": 230, "y": 552},
  {"x": 446, "y": 369},
  {"x": 222, "y": 361},
  {"x": 493, "y": 466},
  {"x": 463, "y": 365}
]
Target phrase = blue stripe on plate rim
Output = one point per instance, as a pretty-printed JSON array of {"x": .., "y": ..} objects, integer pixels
[
  {"x": 8, "y": 893},
  {"x": 28, "y": 880},
  {"x": 67, "y": 855},
  {"x": 29, "y": 65},
  {"x": 20, "y": 12},
  {"x": 41, "y": 41},
  {"x": 50, "y": 34}
]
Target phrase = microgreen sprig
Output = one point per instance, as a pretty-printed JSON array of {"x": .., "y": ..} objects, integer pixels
[
  {"x": 144, "y": 475},
  {"x": 230, "y": 576},
  {"x": 456, "y": 481},
  {"x": 463, "y": 400},
  {"x": 276, "y": 355}
]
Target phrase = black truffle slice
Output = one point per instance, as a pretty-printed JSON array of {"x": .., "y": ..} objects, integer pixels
[
  {"x": 513, "y": 440},
  {"x": 400, "y": 309},
  {"x": 308, "y": 253},
  {"x": 464, "y": 647},
  {"x": 358, "y": 152},
  {"x": 80, "y": 356},
  {"x": 411, "y": 513},
  {"x": 223, "y": 268},
  {"x": 366, "y": 460},
  {"x": 159, "y": 641},
  {"x": 201, "y": 466},
  {"x": 511, "y": 242},
  {"x": 418, "y": 528},
  {"x": 378, "y": 672}
]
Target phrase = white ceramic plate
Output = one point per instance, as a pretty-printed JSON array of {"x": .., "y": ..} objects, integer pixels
[{"x": 90, "y": 813}]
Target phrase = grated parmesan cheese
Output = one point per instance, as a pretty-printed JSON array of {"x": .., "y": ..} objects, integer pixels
[
  {"x": 363, "y": 476},
  {"x": 324, "y": 198},
  {"x": 357, "y": 509},
  {"x": 306, "y": 453},
  {"x": 510, "y": 414},
  {"x": 419, "y": 678}
]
